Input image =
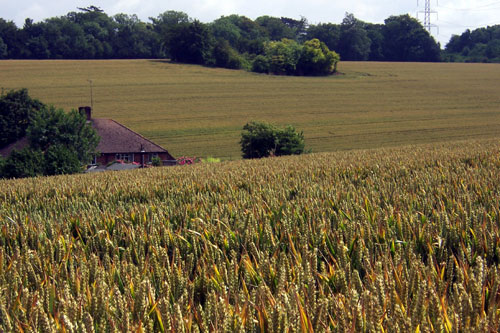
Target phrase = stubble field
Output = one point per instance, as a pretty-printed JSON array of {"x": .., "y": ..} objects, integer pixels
[{"x": 198, "y": 111}]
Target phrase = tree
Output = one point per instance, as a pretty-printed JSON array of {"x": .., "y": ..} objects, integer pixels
[
  {"x": 328, "y": 33},
  {"x": 190, "y": 43},
  {"x": 12, "y": 38},
  {"x": 290, "y": 142},
  {"x": 53, "y": 127},
  {"x": 317, "y": 59},
  {"x": 60, "y": 143},
  {"x": 17, "y": 109},
  {"x": 275, "y": 28},
  {"x": 60, "y": 159},
  {"x": 283, "y": 56},
  {"x": 405, "y": 39},
  {"x": 354, "y": 42},
  {"x": 374, "y": 33},
  {"x": 23, "y": 163},
  {"x": 260, "y": 64},
  {"x": 225, "y": 56},
  {"x": 260, "y": 139},
  {"x": 243, "y": 34},
  {"x": 3, "y": 49}
]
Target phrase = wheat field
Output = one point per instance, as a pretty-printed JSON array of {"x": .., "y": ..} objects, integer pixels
[
  {"x": 391, "y": 240},
  {"x": 197, "y": 111}
]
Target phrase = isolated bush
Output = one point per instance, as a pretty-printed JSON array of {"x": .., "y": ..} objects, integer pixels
[
  {"x": 156, "y": 161},
  {"x": 260, "y": 139}
]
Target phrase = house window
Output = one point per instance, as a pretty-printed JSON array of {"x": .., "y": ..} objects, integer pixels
[
  {"x": 125, "y": 157},
  {"x": 94, "y": 160}
]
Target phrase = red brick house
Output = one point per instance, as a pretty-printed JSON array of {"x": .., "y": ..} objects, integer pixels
[
  {"x": 121, "y": 143},
  {"x": 117, "y": 143}
]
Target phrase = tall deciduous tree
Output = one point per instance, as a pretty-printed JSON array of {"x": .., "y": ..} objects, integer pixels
[
  {"x": 17, "y": 109},
  {"x": 354, "y": 42},
  {"x": 53, "y": 127},
  {"x": 405, "y": 39},
  {"x": 328, "y": 33},
  {"x": 190, "y": 43}
]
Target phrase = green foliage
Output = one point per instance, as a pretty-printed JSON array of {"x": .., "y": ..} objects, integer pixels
[
  {"x": 3, "y": 49},
  {"x": 405, "y": 39},
  {"x": 59, "y": 143},
  {"x": 479, "y": 45},
  {"x": 354, "y": 43},
  {"x": 328, "y": 33},
  {"x": 260, "y": 64},
  {"x": 242, "y": 34},
  {"x": 17, "y": 109},
  {"x": 225, "y": 56},
  {"x": 275, "y": 28},
  {"x": 289, "y": 142},
  {"x": 60, "y": 159},
  {"x": 287, "y": 57},
  {"x": 190, "y": 43},
  {"x": 210, "y": 159},
  {"x": 317, "y": 59},
  {"x": 23, "y": 163},
  {"x": 54, "y": 127},
  {"x": 156, "y": 161},
  {"x": 260, "y": 139}
]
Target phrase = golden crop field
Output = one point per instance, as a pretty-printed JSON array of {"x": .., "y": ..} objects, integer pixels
[
  {"x": 197, "y": 111},
  {"x": 390, "y": 240}
]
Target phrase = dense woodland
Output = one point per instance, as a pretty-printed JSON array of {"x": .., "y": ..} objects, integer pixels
[{"x": 266, "y": 44}]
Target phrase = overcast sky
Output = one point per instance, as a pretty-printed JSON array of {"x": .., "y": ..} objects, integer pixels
[{"x": 452, "y": 17}]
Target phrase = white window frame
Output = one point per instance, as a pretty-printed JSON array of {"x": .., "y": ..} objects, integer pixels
[{"x": 125, "y": 157}]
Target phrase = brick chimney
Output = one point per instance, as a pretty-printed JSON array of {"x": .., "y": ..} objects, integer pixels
[{"x": 85, "y": 111}]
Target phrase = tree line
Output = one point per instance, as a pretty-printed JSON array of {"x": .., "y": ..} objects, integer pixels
[{"x": 236, "y": 41}]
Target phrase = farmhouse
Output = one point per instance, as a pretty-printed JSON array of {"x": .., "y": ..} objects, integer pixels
[
  {"x": 121, "y": 143},
  {"x": 117, "y": 143}
]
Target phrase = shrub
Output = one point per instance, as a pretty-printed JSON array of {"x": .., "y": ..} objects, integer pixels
[
  {"x": 24, "y": 163},
  {"x": 60, "y": 160},
  {"x": 156, "y": 161},
  {"x": 289, "y": 142},
  {"x": 260, "y": 139}
]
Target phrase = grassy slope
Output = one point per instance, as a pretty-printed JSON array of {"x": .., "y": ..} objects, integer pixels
[
  {"x": 192, "y": 110},
  {"x": 404, "y": 239}
]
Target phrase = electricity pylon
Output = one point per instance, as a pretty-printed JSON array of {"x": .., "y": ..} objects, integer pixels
[{"x": 427, "y": 15}]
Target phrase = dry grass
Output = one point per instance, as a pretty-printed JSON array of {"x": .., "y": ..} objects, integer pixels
[
  {"x": 199, "y": 111},
  {"x": 391, "y": 240}
]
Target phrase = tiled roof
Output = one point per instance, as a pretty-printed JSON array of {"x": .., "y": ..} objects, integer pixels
[{"x": 116, "y": 138}]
